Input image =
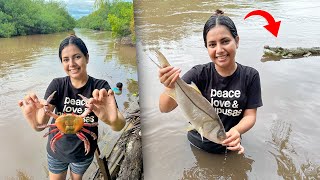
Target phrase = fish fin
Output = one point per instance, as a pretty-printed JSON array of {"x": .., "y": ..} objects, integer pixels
[
  {"x": 171, "y": 93},
  {"x": 155, "y": 62},
  {"x": 190, "y": 127},
  {"x": 194, "y": 86},
  {"x": 201, "y": 133}
]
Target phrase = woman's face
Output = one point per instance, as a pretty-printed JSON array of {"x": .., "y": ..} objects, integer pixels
[
  {"x": 222, "y": 46},
  {"x": 74, "y": 62}
]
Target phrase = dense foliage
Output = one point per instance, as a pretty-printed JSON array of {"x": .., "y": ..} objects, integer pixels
[
  {"x": 116, "y": 16},
  {"x": 24, "y": 17}
]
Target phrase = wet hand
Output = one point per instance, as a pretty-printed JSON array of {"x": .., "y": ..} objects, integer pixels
[
  {"x": 30, "y": 104},
  {"x": 33, "y": 111},
  {"x": 103, "y": 105},
  {"x": 233, "y": 141},
  {"x": 169, "y": 75}
]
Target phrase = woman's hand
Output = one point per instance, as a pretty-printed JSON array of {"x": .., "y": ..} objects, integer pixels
[
  {"x": 168, "y": 76},
  {"x": 233, "y": 135},
  {"x": 32, "y": 109},
  {"x": 103, "y": 104},
  {"x": 233, "y": 141}
]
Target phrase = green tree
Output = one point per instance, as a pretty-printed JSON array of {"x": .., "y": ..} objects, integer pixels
[
  {"x": 96, "y": 20},
  {"x": 119, "y": 17},
  {"x": 23, "y": 17},
  {"x": 116, "y": 16}
]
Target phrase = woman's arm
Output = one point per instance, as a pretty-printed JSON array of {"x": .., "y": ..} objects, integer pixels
[
  {"x": 233, "y": 135},
  {"x": 118, "y": 123},
  {"x": 32, "y": 109},
  {"x": 168, "y": 76},
  {"x": 247, "y": 122},
  {"x": 166, "y": 103},
  {"x": 103, "y": 105}
]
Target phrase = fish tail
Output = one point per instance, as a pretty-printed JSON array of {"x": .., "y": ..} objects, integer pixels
[{"x": 162, "y": 60}]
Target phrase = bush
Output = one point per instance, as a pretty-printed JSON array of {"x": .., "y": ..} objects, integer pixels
[
  {"x": 24, "y": 17},
  {"x": 116, "y": 16}
]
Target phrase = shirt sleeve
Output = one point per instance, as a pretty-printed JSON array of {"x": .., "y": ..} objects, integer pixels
[
  {"x": 196, "y": 75},
  {"x": 191, "y": 76},
  {"x": 254, "y": 92}
]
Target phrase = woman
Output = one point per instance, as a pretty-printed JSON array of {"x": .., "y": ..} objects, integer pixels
[
  {"x": 233, "y": 89},
  {"x": 69, "y": 150}
]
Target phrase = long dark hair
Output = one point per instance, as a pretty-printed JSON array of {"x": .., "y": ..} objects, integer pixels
[
  {"x": 73, "y": 39},
  {"x": 219, "y": 19}
]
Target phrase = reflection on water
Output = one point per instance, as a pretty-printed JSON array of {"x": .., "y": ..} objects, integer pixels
[
  {"x": 285, "y": 155},
  {"x": 20, "y": 52},
  {"x": 290, "y": 89},
  {"x": 233, "y": 166},
  {"x": 28, "y": 64},
  {"x": 172, "y": 20}
]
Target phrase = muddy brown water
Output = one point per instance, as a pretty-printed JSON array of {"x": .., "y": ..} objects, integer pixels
[
  {"x": 28, "y": 64},
  {"x": 283, "y": 144}
]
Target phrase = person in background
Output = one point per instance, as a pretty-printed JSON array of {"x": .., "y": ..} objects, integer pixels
[
  {"x": 118, "y": 89},
  {"x": 69, "y": 150},
  {"x": 221, "y": 80}
]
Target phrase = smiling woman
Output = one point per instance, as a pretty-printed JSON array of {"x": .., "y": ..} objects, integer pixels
[
  {"x": 233, "y": 89},
  {"x": 63, "y": 94}
]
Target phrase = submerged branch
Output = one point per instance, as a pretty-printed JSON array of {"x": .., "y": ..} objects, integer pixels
[{"x": 278, "y": 53}]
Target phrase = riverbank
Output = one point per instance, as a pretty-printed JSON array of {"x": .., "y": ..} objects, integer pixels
[{"x": 122, "y": 153}]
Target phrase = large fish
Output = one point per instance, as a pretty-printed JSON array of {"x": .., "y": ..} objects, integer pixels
[{"x": 197, "y": 109}]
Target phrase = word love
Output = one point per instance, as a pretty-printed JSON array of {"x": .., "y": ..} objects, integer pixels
[{"x": 224, "y": 103}]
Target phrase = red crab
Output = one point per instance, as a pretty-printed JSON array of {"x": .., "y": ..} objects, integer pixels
[{"x": 69, "y": 124}]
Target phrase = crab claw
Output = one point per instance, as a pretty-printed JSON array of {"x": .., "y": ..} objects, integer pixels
[
  {"x": 51, "y": 96},
  {"x": 46, "y": 106},
  {"x": 84, "y": 98},
  {"x": 88, "y": 110}
]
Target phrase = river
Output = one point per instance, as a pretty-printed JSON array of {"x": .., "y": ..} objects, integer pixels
[
  {"x": 283, "y": 143},
  {"x": 28, "y": 64}
]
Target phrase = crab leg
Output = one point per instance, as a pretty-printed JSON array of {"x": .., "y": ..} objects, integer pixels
[
  {"x": 47, "y": 125},
  {"x": 88, "y": 110},
  {"x": 85, "y": 141},
  {"x": 52, "y": 114},
  {"x": 89, "y": 132},
  {"x": 91, "y": 124},
  {"x": 52, "y": 131},
  {"x": 54, "y": 139}
]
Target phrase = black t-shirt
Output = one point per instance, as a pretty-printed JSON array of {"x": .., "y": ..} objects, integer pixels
[
  {"x": 230, "y": 96},
  {"x": 66, "y": 100}
]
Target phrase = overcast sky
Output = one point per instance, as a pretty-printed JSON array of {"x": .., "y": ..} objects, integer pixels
[{"x": 79, "y": 8}]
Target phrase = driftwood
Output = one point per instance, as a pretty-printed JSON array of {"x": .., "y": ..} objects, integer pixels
[
  {"x": 278, "y": 53},
  {"x": 130, "y": 142},
  {"x": 123, "y": 151}
]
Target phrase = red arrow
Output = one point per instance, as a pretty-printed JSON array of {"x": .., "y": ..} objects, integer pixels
[{"x": 272, "y": 26}]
